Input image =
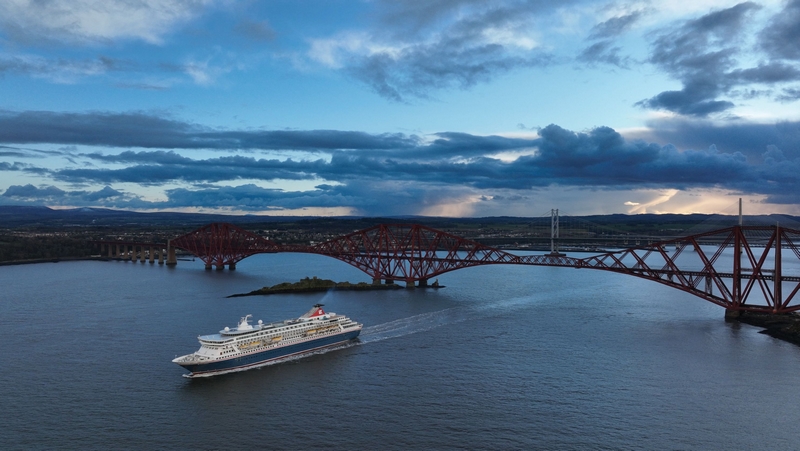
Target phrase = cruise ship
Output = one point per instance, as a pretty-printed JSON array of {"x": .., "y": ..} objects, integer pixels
[{"x": 251, "y": 345}]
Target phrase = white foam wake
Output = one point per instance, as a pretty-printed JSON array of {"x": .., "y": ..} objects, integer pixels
[{"x": 431, "y": 320}]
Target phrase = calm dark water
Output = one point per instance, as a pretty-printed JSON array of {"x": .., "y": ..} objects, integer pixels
[{"x": 504, "y": 357}]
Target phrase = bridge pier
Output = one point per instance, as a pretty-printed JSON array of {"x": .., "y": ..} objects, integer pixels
[
  {"x": 161, "y": 256},
  {"x": 142, "y": 256},
  {"x": 731, "y": 314},
  {"x": 152, "y": 256},
  {"x": 208, "y": 266},
  {"x": 378, "y": 281},
  {"x": 232, "y": 266},
  {"x": 423, "y": 283},
  {"x": 132, "y": 254},
  {"x": 109, "y": 250},
  {"x": 171, "y": 259},
  {"x": 410, "y": 284}
]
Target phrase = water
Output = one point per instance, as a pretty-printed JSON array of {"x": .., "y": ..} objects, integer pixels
[{"x": 504, "y": 357}]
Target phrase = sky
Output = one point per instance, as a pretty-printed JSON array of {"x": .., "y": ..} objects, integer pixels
[{"x": 459, "y": 108}]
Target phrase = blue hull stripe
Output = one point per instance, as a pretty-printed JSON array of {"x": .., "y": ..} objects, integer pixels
[{"x": 271, "y": 354}]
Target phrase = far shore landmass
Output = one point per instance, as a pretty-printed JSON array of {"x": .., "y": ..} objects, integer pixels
[{"x": 314, "y": 285}]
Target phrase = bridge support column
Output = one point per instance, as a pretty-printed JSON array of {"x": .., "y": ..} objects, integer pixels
[
  {"x": 376, "y": 280},
  {"x": 160, "y": 256},
  {"x": 731, "y": 314},
  {"x": 142, "y": 256},
  {"x": 410, "y": 284},
  {"x": 171, "y": 259},
  {"x": 221, "y": 266},
  {"x": 133, "y": 253},
  {"x": 423, "y": 283},
  {"x": 109, "y": 250},
  {"x": 152, "y": 255},
  {"x": 232, "y": 266},
  {"x": 208, "y": 266},
  {"x": 116, "y": 255}
]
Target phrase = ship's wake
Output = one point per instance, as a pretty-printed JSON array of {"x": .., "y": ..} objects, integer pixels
[{"x": 431, "y": 320}]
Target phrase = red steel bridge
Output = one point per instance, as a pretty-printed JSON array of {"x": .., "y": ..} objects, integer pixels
[{"x": 741, "y": 268}]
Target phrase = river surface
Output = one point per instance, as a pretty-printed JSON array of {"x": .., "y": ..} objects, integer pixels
[{"x": 504, "y": 357}]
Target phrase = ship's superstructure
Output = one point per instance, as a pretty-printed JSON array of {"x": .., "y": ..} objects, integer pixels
[{"x": 248, "y": 345}]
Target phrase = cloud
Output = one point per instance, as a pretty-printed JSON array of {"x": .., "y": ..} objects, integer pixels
[
  {"x": 152, "y": 131},
  {"x": 94, "y": 21},
  {"x": 615, "y": 26},
  {"x": 420, "y": 47},
  {"x": 30, "y": 191},
  {"x": 781, "y": 35},
  {"x": 59, "y": 70},
  {"x": 706, "y": 54},
  {"x": 604, "y": 52},
  {"x": 699, "y": 53},
  {"x": 749, "y": 139},
  {"x": 378, "y": 173},
  {"x": 789, "y": 95}
]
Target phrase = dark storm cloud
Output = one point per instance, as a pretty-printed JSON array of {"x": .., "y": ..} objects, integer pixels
[
  {"x": 15, "y": 166},
  {"x": 453, "y": 144},
  {"x": 766, "y": 73},
  {"x": 444, "y": 45},
  {"x": 700, "y": 53},
  {"x": 704, "y": 53},
  {"x": 257, "y": 198},
  {"x": 369, "y": 172},
  {"x": 600, "y": 157},
  {"x": 150, "y": 131},
  {"x": 695, "y": 99},
  {"x": 789, "y": 95},
  {"x": 749, "y": 139},
  {"x": 604, "y": 52},
  {"x": 30, "y": 191},
  {"x": 161, "y": 167},
  {"x": 615, "y": 26},
  {"x": 443, "y": 64},
  {"x": 781, "y": 38},
  {"x": 29, "y": 194},
  {"x": 11, "y": 153}
]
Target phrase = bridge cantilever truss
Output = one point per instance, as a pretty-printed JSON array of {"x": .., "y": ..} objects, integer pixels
[
  {"x": 409, "y": 252},
  {"x": 221, "y": 244},
  {"x": 739, "y": 268}
]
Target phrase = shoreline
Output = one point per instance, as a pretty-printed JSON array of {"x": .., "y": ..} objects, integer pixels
[
  {"x": 49, "y": 260},
  {"x": 782, "y": 327}
]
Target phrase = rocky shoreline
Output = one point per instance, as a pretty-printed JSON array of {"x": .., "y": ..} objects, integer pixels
[
  {"x": 33, "y": 261},
  {"x": 314, "y": 285},
  {"x": 783, "y": 327}
]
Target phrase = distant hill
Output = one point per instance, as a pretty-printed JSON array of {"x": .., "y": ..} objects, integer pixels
[{"x": 27, "y": 216}]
